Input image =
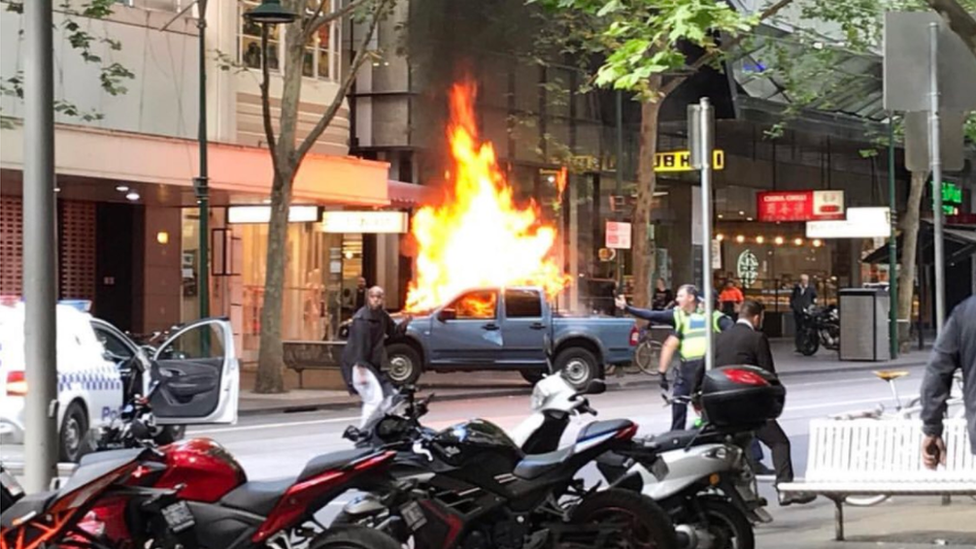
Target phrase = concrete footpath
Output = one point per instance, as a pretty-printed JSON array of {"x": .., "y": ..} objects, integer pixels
[
  {"x": 472, "y": 385},
  {"x": 899, "y": 523}
]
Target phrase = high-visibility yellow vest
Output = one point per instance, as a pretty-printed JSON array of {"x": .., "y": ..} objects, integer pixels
[{"x": 693, "y": 331}]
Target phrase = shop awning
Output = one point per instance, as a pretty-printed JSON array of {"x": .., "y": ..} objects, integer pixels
[
  {"x": 408, "y": 194},
  {"x": 960, "y": 244},
  {"x": 114, "y": 155}
]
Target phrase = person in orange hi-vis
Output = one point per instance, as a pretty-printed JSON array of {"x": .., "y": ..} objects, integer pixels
[{"x": 731, "y": 299}]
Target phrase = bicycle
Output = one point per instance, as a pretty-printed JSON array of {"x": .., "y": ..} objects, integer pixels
[
  {"x": 647, "y": 354},
  {"x": 911, "y": 411}
]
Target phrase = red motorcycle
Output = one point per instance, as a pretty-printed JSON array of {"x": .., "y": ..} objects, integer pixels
[{"x": 192, "y": 494}]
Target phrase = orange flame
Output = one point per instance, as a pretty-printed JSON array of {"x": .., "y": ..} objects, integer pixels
[
  {"x": 561, "y": 179},
  {"x": 479, "y": 237}
]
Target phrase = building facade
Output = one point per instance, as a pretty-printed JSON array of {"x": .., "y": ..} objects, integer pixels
[
  {"x": 539, "y": 121},
  {"x": 128, "y": 217}
]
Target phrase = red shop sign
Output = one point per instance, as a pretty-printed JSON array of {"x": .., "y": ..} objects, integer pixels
[{"x": 800, "y": 205}]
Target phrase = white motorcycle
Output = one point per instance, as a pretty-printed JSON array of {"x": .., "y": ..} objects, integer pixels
[{"x": 707, "y": 487}]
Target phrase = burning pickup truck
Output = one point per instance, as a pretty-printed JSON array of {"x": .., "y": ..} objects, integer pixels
[{"x": 510, "y": 329}]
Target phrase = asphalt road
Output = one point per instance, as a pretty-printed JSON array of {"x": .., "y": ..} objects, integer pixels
[{"x": 277, "y": 445}]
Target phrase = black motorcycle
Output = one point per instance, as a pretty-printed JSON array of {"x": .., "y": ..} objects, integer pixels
[
  {"x": 819, "y": 326},
  {"x": 471, "y": 487}
]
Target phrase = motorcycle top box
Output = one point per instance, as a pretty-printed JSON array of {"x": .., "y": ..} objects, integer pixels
[{"x": 742, "y": 397}]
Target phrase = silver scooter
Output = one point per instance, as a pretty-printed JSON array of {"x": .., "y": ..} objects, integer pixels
[{"x": 708, "y": 487}]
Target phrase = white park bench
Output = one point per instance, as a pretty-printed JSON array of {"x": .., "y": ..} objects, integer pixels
[{"x": 882, "y": 457}]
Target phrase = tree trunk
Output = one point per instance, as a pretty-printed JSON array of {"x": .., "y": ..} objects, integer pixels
[
  {"x": 909, "y": 231},
  {"x": 644, "y": 250},
  {"x": 271, "y": 366},
  {"x": 270, "y": 376}
]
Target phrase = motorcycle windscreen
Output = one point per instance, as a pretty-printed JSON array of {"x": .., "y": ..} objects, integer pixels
[{"x": 198, "y": 376}]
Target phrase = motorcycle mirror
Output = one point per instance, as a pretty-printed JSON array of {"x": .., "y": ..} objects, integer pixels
[{"x": 352, "y": 433}]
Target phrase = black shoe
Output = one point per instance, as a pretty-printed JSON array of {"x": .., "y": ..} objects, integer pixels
[
  {"x": 796, "y": 498},
  {"x": 760, "y": 470}
]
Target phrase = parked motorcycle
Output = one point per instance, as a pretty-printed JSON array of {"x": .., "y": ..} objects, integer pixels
[
  {"x": 469, "y": 486},
  {"x": 708, "y": 487},
  {"x": 820, "y": 326},
  {"x": 191, "y": 495}
]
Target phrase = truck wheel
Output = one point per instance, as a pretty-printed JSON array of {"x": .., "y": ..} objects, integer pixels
[
  {"x": 404, "y": 364},
  {"x": 579, "y": 366},
  {"x": 73, "y": 436}
]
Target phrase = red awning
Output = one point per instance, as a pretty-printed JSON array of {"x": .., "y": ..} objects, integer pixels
[{"x": 407, "y": 194}]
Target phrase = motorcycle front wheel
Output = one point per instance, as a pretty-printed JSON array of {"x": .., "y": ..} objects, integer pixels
[
  {"x": 809, "y": 343},
  {"x": 354, "y": 537},
  {"x": 637, "y": 521},
  {"x": 728, "y": 525}
]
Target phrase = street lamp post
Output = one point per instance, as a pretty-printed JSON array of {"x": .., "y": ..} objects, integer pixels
[{"x": 201, "y": 182}]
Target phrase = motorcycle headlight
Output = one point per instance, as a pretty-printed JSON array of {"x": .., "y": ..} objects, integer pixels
[{"x": 724, "y": 453}]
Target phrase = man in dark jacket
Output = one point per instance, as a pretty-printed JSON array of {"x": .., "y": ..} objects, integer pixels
[
  {"x": 365, "y": 352},
  {"x": 744, "y": 344},
  {"x": 804, "y": 296},
  {"x": 954, "y": 349}
]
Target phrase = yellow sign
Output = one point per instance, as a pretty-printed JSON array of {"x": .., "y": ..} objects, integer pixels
[{"x": 680, "y": 161}]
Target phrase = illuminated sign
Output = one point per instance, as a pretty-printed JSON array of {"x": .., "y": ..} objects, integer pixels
[
  {"x": 951, "y": 198},
  {"x": 860, "y": 223},
  {"x": 262, "y": 214},
  {"x": 800, "y": 205},
  {"x": 680, "y": 161},
  {"x": 383, "y": 222},
  {"x": 747, "y": 268}
]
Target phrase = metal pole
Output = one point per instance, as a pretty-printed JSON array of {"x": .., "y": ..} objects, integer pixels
[
  {"x": 620, "y": 183},
  {"x": 706, "y": 198},
  {"x": 201, "y": 183},
  {"x": 892, "y": 245},
  {"x": 40, "y": 245},
  {"x": 936, "y": 159}
]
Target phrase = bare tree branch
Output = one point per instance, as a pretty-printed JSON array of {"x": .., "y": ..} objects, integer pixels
[
  {"x": 266, "y": 99},
  {"x": 361, "y": 55},
  {"x": 958, "y": 20},
  {"x": 319, "y": 19},
  {"x": 735, "y": 41}
]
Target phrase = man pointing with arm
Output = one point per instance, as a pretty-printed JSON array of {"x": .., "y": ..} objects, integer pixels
[{"x": 687, "y": 339}]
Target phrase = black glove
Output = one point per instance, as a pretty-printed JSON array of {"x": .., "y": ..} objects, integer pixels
[{"x": 664, "y": 383}]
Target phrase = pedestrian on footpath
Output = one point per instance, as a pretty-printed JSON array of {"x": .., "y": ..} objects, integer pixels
[
  {"x": 731, "y": 299},
  {"x": 365, "y": 352},
  {"x": 663, "y": 296},
  {"x": 745, "y": 343},
  {"x": 955, "y": 349},
  {"x": 688, "y": 339},
  {"x": 802, "y": 298}
]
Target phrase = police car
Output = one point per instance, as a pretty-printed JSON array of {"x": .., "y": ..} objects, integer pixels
[{"x": 196, "y": 376}]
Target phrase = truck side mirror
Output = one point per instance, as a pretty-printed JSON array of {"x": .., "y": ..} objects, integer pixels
[{"x": 447, "y": 314}]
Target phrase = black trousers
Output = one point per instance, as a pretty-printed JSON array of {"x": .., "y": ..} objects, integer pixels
[
  {"x": 687, "y": 381},
  {"x": 798, "y": 322},
  {"x": 772, "y": 435}
]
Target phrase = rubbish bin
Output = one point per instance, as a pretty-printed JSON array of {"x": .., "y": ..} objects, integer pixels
[{"x": 864, "y": 324}]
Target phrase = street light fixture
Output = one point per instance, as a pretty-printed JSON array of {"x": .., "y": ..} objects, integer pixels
[{"x": 270, "y": 12}]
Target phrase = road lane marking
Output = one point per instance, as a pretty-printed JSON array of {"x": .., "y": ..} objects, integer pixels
[{"x": 275, "y": 425}]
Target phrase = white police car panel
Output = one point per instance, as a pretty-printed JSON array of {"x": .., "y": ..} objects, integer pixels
[
  {"x": 85, "y": 376},
  {"x": 198, "y": 375}
]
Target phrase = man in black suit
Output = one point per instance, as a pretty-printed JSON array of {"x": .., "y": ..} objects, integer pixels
[
  {"x": 745, "y": 344},
  {"x": 803, "y": 297}
]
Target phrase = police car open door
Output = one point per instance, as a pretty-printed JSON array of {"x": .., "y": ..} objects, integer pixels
[{"x": 196, "y": 376}]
